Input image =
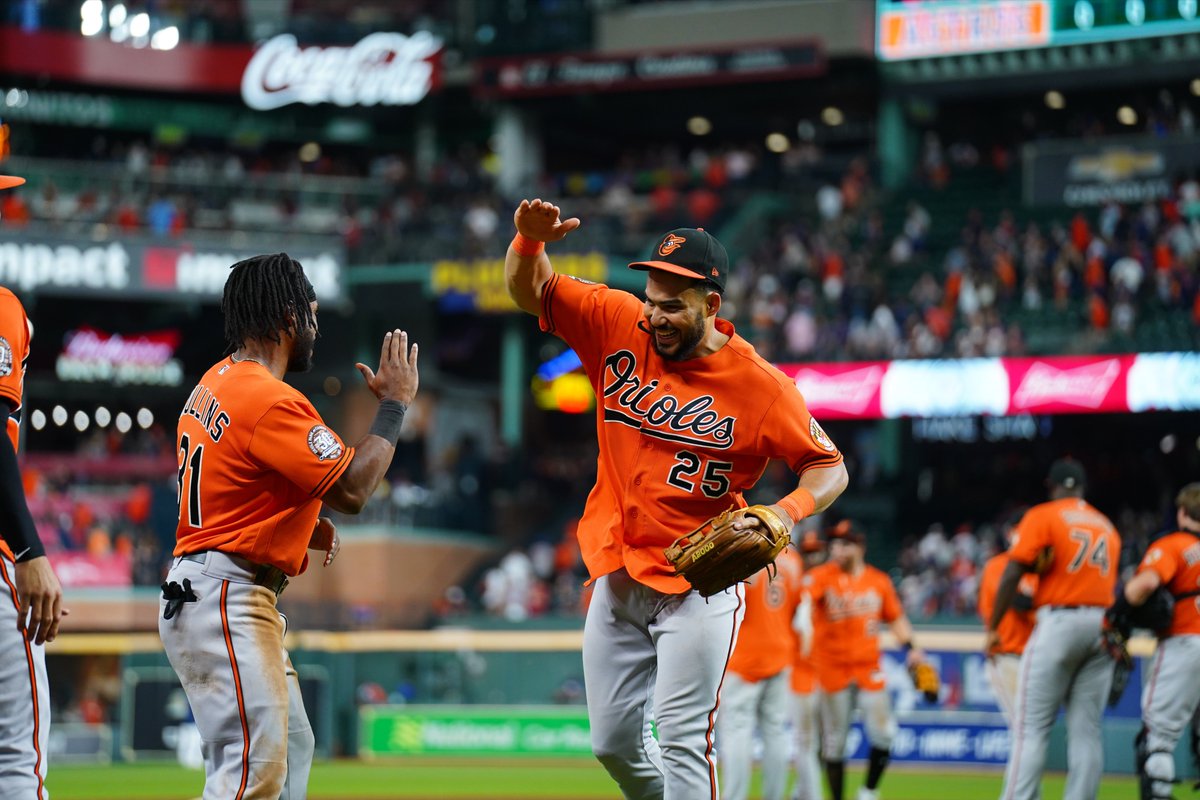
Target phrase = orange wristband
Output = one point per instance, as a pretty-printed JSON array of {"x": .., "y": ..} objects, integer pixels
[
  {"x": 799, "y": 504},
  {"x": 527, "y": 247}
]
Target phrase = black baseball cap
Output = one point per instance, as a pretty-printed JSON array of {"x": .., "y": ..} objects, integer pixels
[
  {"x": 691, "y": 252},
  {"x": 849, "y": 531},
  {"x": 1067, "y": 473}
]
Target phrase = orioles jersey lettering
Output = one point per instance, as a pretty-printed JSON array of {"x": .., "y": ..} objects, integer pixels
[
  {"x": 847, "y": 612},
  {"x": 1085, "y": 546},
  {"x": 1176, "y": 559},
  {"x": 766, "y": 642},
  {"x": 680, "y": 441},
  {"x": 255, "y": 459},
  {"x": 14, "y": 353}
]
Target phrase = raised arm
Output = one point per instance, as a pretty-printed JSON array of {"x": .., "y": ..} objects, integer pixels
[
  {"x": 526, "y": 266},
  {"x": 395, "y": 384}
]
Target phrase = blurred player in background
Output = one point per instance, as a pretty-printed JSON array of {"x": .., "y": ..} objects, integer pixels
[
  {"x": 850, "y": 599},
  {"x": 756, "y": 689},
  {"x": 804, "y": 682},
  {"x": 1003, "y": 665},
  {"x": 1172, "y": 694},
  {"x": 688, "y": 416},
  {"x": 255, "y": 463},
  {"x": 1078, "y": 548},
  {"x": 30, "y": 614}
]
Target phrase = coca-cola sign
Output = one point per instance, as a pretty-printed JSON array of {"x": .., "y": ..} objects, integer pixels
[{"x": 381, "y": 69}]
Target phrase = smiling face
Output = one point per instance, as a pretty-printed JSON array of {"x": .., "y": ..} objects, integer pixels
[{"x": 678, "y": 313}]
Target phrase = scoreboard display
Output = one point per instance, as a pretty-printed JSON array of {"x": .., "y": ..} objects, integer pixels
[{"x": 908, "y": 29}]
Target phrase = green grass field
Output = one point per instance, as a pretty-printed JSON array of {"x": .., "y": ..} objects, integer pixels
[{"x": 499, "y": 780}]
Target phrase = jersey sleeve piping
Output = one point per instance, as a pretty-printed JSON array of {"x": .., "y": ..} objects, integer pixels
[
  {"x": 547, "y": 303},
  {"x": 334, "y": 473}
]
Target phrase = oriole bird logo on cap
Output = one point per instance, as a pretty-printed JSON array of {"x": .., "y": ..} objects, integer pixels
[{"x": 670, "y": 244}]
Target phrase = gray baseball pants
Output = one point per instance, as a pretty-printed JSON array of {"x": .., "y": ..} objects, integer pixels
[{"x": 1063, "y": 663}]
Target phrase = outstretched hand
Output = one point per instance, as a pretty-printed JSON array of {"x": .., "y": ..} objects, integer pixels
[
  {"x": 539, "y": 220},
  {"x": 397, "y": 378}
]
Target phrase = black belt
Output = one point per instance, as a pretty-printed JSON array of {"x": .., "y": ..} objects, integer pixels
[
  {"x": 1072, "y": 608},
  {"x": 265, "y": 575}
]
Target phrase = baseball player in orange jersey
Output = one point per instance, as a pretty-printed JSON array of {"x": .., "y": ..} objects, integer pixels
[
  {"x": 756, "y": 688},
  {"x": 1003, "y": 665},
  {"x": 687, "y": 418},
  {"x": 1172, "y": 693},
  {"x": 804, "y": 684},
  {"x": 850, "y": 599},
  {"x": 255, "y": 463},
  {"x": 32, "y": 608},
  {"x": 1063, "y": 660}
]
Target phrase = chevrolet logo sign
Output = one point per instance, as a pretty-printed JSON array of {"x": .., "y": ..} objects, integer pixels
[{"x": 1115, "y": 165}]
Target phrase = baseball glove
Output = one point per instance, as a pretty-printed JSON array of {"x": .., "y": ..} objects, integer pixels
[
  {"x": 1115, "y": 643},
  {"x": 715, "y": 556},
  {"x": 1042, "y": 562},
  {"x": 926, "y": 681}
]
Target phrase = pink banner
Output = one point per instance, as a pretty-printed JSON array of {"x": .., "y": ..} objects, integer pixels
[
  {"x": 76, "y": 569},
  {"x": 1067, "y": 384},
  {"x": 840, "y": 391},
  {"x": 1000, "y": 386}
]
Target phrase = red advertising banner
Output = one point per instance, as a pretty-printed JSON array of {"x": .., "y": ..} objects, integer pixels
[
  {"x": 840, "y": 391},
  {"x": 1067, "y": 385},
  {"x": 380, "y": 69},
  {"x": 1000, "y": 386}
]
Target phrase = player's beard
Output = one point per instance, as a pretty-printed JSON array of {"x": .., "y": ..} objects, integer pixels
[
  {"x": 301, "y": 357},
  {"x": 689, "y": 339}
]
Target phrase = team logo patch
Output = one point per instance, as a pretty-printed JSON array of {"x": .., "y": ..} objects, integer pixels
[
  {"x": 819, "y": 436},
  {"x": 670, "y": 244},
  {"x": 6, "y": 358},
  {"x": 324, "y": 444}
]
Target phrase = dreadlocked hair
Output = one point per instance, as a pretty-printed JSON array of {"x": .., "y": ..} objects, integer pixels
[{"x": 265, "y": 295}]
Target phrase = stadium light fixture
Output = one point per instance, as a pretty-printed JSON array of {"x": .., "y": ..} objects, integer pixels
[
  {"x": 165, "y": 39},
  {"x": 103, "y": 417},
  {"x": 59, "y": 415},
  {"x": 1054, "y": 99},
  {"x": 777, "y": 142},
  {"x": 145, "y": 418},
  {"x": 117, "y": 15},
  {"x": 139, "y": 26},
  {"x": 1127, "y": 116},
  {"x": 124, "y": 423},
  {"x": 310, "y": 152},
  {"x": 37, "y": 419},
  {"x": 699, "y": 126},
  {"x": 82, "y": 421},
  {"x": 832, "y": 116},
  {"x": 91, "y": 17},
  {"x": 1195, "y": 86}
]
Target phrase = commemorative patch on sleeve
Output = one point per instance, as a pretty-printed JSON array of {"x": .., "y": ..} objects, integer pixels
[
  {"x": 6, "y": 358},
  {"x": 324, "y": 445},
  {"x": 819, "y": 436}
]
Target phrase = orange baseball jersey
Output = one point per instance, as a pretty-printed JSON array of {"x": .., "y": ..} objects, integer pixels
[
  {"x": 255, "y": 459},
  {"x": 804, "y": 672},
  {"x": 680, "y": 441},
  {"x": 14, "y": 351},
  {"x": 1176, "y": 559},
  {"x": 1016, "y": 626},
  {"x": 766, "y": 640},
  {"x": 847, "y": 612},
  {"x": 1085, "y": 546}
]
